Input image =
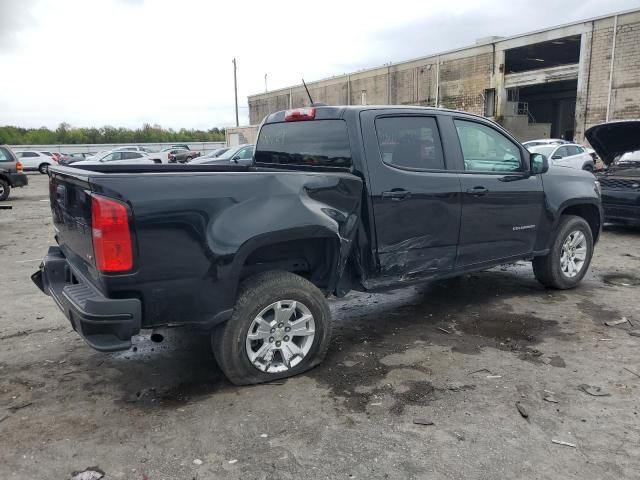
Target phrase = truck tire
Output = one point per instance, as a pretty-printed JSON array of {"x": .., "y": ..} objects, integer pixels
[
  {"x": 280, "y": 327},
  {"x": 5, "y": 189},
  {"x": 43, "y": 168},
  {"x": 568, "y": 260}
]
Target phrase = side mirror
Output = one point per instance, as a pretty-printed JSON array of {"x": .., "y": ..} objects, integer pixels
[
  {"x": 236, "y": 158},
  {"x": 556, "y": 157},
  {"x": 539, "y": 163}
]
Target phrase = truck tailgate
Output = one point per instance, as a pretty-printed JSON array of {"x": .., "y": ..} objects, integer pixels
[{"x": 70, "y": 197}]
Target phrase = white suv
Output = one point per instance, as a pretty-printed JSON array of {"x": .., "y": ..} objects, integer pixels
[
  {"x": 34, "y": 160},
  {"x": 566, "y": 155}
]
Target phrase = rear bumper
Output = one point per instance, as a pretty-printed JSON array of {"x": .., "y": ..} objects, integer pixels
[
  {"x": 106, "y": 324},
  {"x": 18, "y": 179}
]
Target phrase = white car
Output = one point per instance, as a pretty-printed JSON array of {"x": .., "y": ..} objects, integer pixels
[
  {"x": 132, "y": 149},
  {"x": 118, "y": 158},
  {"x": 566, "y": 155},
  {"x": 35, "y": 160}
]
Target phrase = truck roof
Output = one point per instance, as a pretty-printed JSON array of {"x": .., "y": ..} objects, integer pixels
[{"x": 325, "y": 112}]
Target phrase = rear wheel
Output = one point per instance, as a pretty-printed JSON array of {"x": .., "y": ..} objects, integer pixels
[
  {"x": 43, "y": 168},
  {"x": 568, "y": 260},
  {"x": 5, "y": 189},
  {"x": 588, "y": 167},
  {"x": 280, "y": 327}
]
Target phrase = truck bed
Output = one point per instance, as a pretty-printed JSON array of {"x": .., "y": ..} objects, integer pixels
[{"x": 195, "y": 228}]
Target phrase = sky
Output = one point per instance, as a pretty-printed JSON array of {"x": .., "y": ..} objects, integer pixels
[{"x": 124, "y": 63}]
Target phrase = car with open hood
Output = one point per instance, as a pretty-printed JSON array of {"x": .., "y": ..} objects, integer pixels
[{"x": 617, "y": 144}]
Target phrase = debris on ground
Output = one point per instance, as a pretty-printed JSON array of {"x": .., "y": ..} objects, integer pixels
[
  {"x": 89, "y": 473},
  {"x": 444, "y": 330},
  {"x": 480, "y": 370},
  {"x": 494, "y": 376},
  {"x": 616, "y": 322},
  {"x": 197, "y": 461},
  {"x": 2, "y": 419},
  {"x": 634, "y": 333},
  {"x": 459, "y": 436},
  {"x": 231, "y": 462},
  {"x": 15, "y": 408},
  {"x": 593, "y": 391},
  {"x": 566, "y": 444},
  {"x": 459, "y": 387},
  {"x": 631, "y": 371},
  {"x": 522, "y": 410},
  {"x": 548, "y": 397},
  {"x": 422, "y": 421}
]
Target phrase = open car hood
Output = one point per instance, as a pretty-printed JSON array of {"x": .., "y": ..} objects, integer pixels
[{"x": 612, "y": 139}]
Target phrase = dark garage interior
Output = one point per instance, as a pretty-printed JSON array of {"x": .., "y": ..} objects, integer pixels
[
  {"x": 553, "y": 103},
  {"x": 562, "y": 51}
]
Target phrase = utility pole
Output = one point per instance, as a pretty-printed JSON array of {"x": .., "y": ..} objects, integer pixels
[
  {"x": 235, "y": 90},
  {"x": 265, "y": 83}
]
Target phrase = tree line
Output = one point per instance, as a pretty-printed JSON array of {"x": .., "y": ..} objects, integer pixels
[{"x": 66, "y": 134}]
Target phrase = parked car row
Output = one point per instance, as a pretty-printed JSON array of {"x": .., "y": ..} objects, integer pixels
[{"x": 11, "y": 175}]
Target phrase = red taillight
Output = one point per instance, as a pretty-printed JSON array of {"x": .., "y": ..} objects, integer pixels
[
  {"x": 299, "y": 114},
  {"x": 111, "y": 236},
  {"x": 19, "y": 167}
]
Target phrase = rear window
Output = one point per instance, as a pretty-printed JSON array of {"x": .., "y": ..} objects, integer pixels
[
  {"x": 5, "y": 156},
  {"x": 319, "y": 143}
]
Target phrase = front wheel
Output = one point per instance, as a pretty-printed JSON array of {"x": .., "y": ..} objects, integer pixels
[
  {"x": 588, "y": 167},
  {"x": 568, "y": 260},
  {"x": 280, "y": 327},
  {"x": 43, "y": 168}
]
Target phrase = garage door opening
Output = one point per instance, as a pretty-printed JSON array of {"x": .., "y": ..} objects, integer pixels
[{"x": 553, "y": 103}]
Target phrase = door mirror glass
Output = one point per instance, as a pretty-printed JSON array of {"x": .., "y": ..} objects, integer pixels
[
  {"x": 539, "y": 163},
  {"x": 556, "y": 157}
]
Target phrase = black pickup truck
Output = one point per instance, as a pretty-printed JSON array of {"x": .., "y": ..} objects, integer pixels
[{"x": 339, "y": 199}]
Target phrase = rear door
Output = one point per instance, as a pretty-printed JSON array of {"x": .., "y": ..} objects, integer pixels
[
  {"x": 501, "y": 202},
  {"x": 29, "y": 160},
  {"x": 416, "y": 201}
]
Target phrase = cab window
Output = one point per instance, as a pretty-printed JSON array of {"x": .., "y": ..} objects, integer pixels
[
  {"x": 487, "y": 150},
  {"x": 410, "y": 142}
]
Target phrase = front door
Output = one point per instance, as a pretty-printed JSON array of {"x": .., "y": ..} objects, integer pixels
[
  {"x": 416, "y": 202},
  {"x": 501, "y": 202}
]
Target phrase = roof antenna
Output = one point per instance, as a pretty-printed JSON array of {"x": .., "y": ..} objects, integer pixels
[{"x": 308, "y": 94}]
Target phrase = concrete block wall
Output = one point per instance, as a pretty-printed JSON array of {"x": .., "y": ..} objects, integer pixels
[
  {"x": 593, "y": 88},
  {"x": 463, "y": 81}
]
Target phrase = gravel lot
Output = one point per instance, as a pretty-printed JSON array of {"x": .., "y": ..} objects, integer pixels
[{"x": 458, "y": 353}]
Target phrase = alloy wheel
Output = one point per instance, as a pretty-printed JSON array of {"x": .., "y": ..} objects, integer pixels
[{"x": 280, "y": 336}]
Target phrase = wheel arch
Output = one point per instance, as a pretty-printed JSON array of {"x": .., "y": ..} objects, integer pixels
[
  {"x": 590, "y": 211},
  {"x": 314, "y": 253}
]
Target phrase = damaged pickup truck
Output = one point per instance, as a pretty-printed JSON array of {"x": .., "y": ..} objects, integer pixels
[{"x": 339, "y": 199}]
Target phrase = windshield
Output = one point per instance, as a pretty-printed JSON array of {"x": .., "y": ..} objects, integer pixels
[
  {"x": 630, "y": 157},
  {"x": 545, "y": 150}
]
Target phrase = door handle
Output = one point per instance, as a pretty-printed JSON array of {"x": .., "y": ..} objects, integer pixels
[
  {"x": 477, "y": 191},
  {"x": 396, "y": 194}
]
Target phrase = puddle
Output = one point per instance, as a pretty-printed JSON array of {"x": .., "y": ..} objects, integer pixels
[{"x": 621, "y": 280}]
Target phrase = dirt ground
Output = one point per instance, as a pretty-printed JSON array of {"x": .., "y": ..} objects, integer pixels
[{"x": 459, "y": 354}]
